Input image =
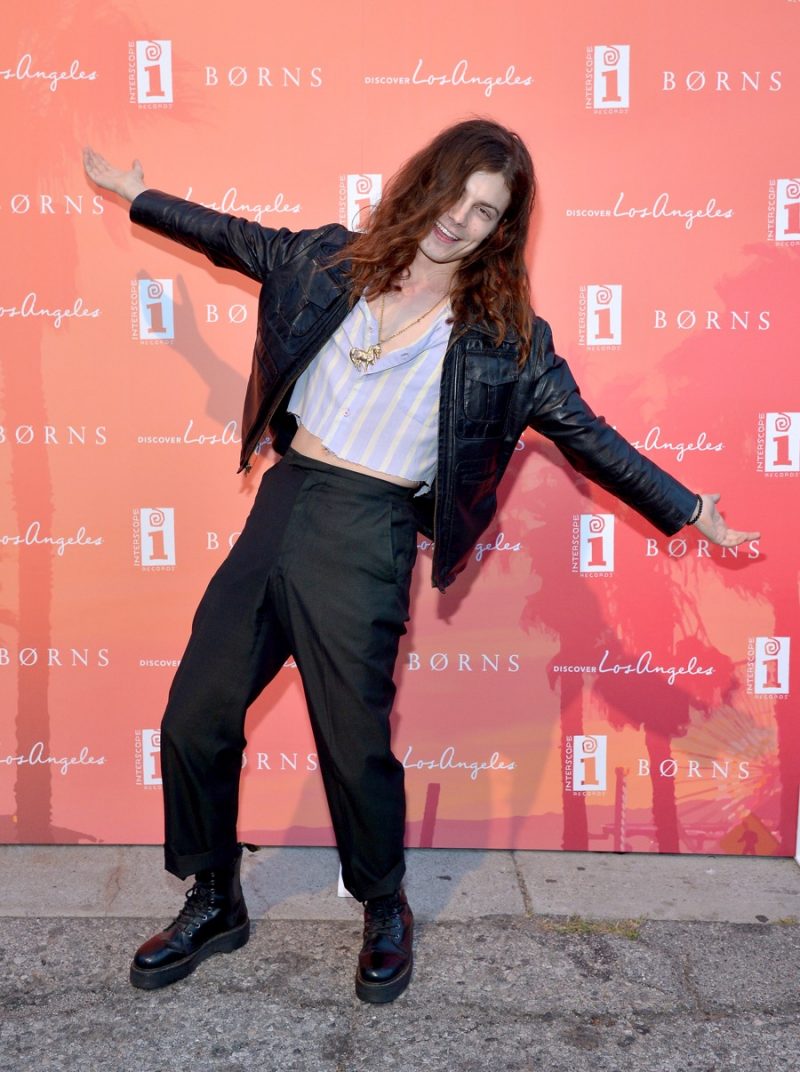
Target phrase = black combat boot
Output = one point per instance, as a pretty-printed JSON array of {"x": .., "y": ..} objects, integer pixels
[
  {"x": 386, "y": 958},
  {"x": 213, "y": 920}
]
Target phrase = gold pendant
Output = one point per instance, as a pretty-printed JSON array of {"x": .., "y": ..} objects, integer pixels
[{"x": 364, "y": 359}]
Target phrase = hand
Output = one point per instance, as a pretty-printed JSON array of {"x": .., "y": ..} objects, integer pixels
[
  {"x": 712, "y": 525},
  {"x": 125, "y": 183}
]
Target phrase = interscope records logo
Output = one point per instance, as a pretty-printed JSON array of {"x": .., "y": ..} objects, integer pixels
[
  {"x": 147, "y": 756},
  {"x": 152, "y": 310},
  {"x": 783, "y": 212},
  {"x": 154, "y": 537},
  {"x": 593, "y": 544},
  {"x": 778, "y": 444},
  {"x": 768, "y": 665},
  {"x": 150, "y": 72},
  {"x": 600, "y": 316},
  {"x": 608, "y": 78},
  {"x": 585, "y": 763},
  {"x": 358, "y": 194}
]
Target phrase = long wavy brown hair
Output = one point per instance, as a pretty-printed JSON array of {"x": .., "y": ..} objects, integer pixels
[{"x": 491, "y": 284}]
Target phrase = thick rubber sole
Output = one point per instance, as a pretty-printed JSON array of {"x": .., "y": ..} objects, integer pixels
[
  {"x": 382, "y": 993},
  {"x": 154, "y": 978}
]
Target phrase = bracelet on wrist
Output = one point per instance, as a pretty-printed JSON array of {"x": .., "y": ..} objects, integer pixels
[{"x": 698, "y": 509}]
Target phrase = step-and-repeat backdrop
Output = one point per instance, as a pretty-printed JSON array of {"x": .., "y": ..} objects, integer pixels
[{"x": 587, "y": 683}]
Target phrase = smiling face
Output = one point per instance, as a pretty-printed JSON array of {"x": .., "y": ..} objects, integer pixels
[{"x": 465, "y": 225}]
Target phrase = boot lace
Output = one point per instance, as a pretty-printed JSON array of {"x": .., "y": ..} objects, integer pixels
[
  {"x": 195, "y": 909},
  {"x": 383, "y": 917}
]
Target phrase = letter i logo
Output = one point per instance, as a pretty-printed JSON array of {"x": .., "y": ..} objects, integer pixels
[
  {"x": 787, "y": 210},
  {"x": 782, "y": 446},
  {"x": 611, "y": 88},
  {"x": 151, "y": 757},
  {"x": 604, "y": 315},
  {"x": 157, "y": 528},
  {"x": 772, "y": 666},
  {"x": 363, "y": 193},
  {"x": 154, "y": 72},
  {"x": 589, "y": 764},
  {"x": 597, "y": 543},
  {"x": 156, "y": 311}
]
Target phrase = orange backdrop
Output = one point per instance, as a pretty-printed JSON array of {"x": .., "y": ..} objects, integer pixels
[{"x": 587, "y": 684}]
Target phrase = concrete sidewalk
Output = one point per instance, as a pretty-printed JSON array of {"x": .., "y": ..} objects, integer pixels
[{"x": 554, "y": 962}]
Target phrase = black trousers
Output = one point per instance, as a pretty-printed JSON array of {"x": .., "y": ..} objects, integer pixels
[{"x": 321, "y": 571}]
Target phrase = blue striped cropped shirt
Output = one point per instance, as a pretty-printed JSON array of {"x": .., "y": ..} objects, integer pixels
[{"x": 385, "y": 417}]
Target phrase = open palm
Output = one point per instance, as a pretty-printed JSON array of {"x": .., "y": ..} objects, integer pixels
[{"x": 125, "y": 183}]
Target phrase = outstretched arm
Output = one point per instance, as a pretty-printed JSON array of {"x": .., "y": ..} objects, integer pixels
[
  {"x": 600, "y": 453},
  {"x": 127, "y": 184},
  {"x": 228, "y": 241}
]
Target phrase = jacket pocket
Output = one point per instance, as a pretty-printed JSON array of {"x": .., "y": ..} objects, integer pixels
[
  {"x": 489, "y": 383},
  {"x": 302, "y": 299}
]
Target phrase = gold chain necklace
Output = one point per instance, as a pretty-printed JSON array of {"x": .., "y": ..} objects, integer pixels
[{"x": 364, "y": 359}]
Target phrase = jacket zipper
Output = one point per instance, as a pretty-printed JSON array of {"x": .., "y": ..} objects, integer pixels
[
  {"x": 440, "y": 468},
  {"x": 246, "y": 466}
]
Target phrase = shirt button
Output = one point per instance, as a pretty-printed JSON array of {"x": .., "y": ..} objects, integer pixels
[{"x": 346, "y": 413}]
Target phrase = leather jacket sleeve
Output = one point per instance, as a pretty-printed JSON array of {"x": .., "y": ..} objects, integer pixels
[
  {"x": 599, "y": 452},
  {"x": 228, "y": 241}
]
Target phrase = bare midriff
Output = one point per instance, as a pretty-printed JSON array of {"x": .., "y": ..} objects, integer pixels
[{"x": 311, "y": 446}]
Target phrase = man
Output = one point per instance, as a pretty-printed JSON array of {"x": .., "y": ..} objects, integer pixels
[{"x": 396, "y": 370}]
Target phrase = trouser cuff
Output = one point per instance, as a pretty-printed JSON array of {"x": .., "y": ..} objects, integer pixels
[
  {"x": 184, "y": 865},
  {"x": 366, "y": 890}
]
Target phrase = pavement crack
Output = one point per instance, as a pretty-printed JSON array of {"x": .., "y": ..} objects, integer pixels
[
  {"x": 113, "y": 886},
  {"x": 685, "y": 964},
  {"x": 523, "y": 889},
  {"x": 345, "y": 1057}
]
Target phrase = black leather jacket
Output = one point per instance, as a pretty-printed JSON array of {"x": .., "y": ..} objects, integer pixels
[{"x": 486, "y": 400}]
